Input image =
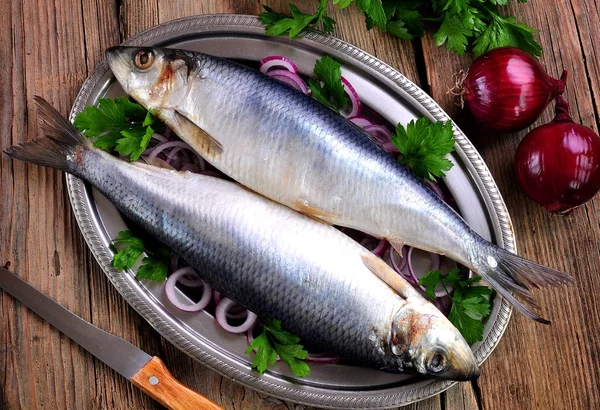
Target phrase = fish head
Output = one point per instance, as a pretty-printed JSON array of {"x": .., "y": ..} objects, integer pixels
[
  {"x": 157, "y": 78},
  {"x": 424, "y": 342}
]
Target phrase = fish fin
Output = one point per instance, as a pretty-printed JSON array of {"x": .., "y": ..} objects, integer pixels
[
  {"x": 58, "y": 147},
  {"x": 397, "y": 245},
  {"x": 200, "y": 140},
  {"x": 507, "y": 272},
  {"x": 157, "y": 162},
  {"x": 389, "y": 276},
  {"x": 304, "y": 207}
]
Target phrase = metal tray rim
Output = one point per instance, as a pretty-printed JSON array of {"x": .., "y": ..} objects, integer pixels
[{"x": 124, "y": 283}]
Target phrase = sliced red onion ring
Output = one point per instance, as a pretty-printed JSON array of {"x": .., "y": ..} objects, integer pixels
[
  {"x": 413, "y": 278},
  {"x": 379, "y": 249},
  {"x": 390, "y": 148},
  {"x": 216, "y": 297},
  {"x": 401, "y": 264},
  {"x": 269, "y": 62},
  {"x": 159, "y": 137},
  {"x": 189, "y": 277},
  {"x": 362, "y": 122},
  {"x": 171, "y": 144},
  {"x": 170, "y": 291},
  {"x": 354, "y": 99},
  {"x": 289, "y": 78},
  {"x": 221, "y": 317},
  {"x": 379, "y": 131},
  {"x": 323, "y": 358},
  {"x": 435, "y": 265}
]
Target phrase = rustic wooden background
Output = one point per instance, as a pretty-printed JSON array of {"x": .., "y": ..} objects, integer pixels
[{"x": 48, "y": 48}]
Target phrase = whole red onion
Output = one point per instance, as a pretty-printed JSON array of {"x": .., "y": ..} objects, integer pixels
[
  {"x": 507, "y": 89},
  {"x": 558, "y": 164}
]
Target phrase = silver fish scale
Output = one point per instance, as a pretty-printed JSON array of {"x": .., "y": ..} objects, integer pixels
[
  {"x": 265, "y": 256},
  {"x": 274, "y": 136}
]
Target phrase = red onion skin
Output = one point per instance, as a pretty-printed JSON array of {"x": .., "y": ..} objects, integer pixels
[
  {"x": 558, "y": 164},
  {"x": 507, "y": 89}
]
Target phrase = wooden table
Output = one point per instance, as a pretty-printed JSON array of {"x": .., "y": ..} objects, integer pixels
[{"x": 48, "y": 48}]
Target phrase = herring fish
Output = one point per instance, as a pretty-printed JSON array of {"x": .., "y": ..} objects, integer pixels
[
  {"x": 270, "y": 259},
  {"x": 292, "y": 149}
]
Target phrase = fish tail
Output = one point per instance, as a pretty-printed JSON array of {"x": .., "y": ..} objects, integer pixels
[
  {"x": 512, "y": 276},
  {"x": 58, "y": 146}
]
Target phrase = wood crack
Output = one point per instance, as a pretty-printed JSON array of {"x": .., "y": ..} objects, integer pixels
[
  {"x": 477, "y": 391},
  {"x": 585, "y": 66}
]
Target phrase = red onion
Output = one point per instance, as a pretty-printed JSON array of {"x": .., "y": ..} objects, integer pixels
[
  {"x": 507, "y": 89},
  {"x": 362, "y": 122},
  {"x": 268, "y": 63},
  {"x": 558, "y": 164},
  {"x": 377, "y": 246},
  {"x": 170, "y": 292},
  {"x": 379, "y": 131},
  {"x": 394, "y": 255},
  {"x": 354, "y": 99},
  {"x": 221, "y": 317},
  {"x": 289, "y": 78},
  {"x": 390, "y": 148},
  {"x": 322, "y": 358}
]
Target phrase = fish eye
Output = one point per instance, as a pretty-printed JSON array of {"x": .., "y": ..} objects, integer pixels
[
  {"x": 144, "y": 59},
  {"x": 437, "y": 363}
]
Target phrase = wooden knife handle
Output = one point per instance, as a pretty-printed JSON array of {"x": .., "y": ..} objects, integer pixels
[{"x": 156, "y": 381}]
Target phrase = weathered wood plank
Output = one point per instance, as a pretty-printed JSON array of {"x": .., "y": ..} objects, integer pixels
[
  {"x": 532, "y": 360},
  {"x": 41, "y": 367},
  {"x": 39, "y": 236}
]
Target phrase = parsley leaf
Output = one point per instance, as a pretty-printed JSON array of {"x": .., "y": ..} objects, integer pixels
[
  {"x": 462, "y": 23},
  {"x": 154, "y": 266},
  {"x": 329, "y": 90},
  {"x": 424, "y": 146},
  {"x": 505, "y": 31},
  {"x": 117, "y": 123},
  {"x": 471, "y": 305},
  {"x": 277, "y": 23},
  {"x": 273, "y": 342},
  {"x": 454, "y": 33}
]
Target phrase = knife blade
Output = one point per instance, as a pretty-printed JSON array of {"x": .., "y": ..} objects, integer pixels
[{"x": 146, "y": 372}]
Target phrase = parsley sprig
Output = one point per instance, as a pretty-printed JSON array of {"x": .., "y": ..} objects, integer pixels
[
  {"x": 154, "y": 266},
  {"x": 274, "y": 342},
  {"x": 424, "y": 146},
  {"x": 462, "y": 23},
  {"x": 117, "y": 123},
  {"x": 277, "y": 23},
  {"x": 471, "y": 305},
  {"x": 327, "y": 87}
]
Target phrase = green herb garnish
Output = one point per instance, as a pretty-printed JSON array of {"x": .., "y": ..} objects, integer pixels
[
  {"x": 424, "y": 146},
  {"x": 471, "y": 305},
  {"x": 462, "y": 23},
  {"x": 273, "y": 342},
  {"x": 329, "y": 90},
  {"x": 278, "y": 23},
  {"x": 119, "y": 124},
  {"x": 154, "y": 266}
]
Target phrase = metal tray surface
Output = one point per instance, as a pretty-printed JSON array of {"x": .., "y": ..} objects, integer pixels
[{"x": 383, "y": 90}]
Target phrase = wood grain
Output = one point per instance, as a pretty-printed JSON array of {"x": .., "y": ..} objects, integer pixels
[
  {"x": 50, "y": 47},
  {"x": 552, "y": 367}
]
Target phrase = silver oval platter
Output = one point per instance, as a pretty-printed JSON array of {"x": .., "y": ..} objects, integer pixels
[{"x": 384, "y": 91}]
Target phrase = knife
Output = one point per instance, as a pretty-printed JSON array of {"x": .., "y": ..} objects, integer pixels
[{"x": 146, "y": 372}]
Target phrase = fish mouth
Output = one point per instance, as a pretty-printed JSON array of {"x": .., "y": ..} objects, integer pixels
[
  {"x": 461, "y": 366},
  {"x": 120, "y": 63}
]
